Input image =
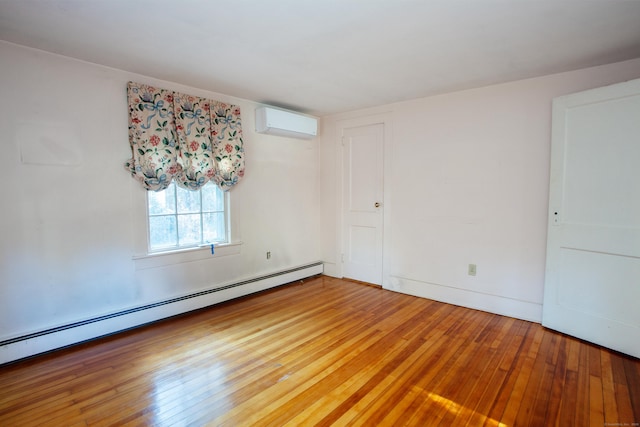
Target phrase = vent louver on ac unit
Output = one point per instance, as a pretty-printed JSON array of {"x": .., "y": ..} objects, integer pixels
[{"x": 275, "y": 121}]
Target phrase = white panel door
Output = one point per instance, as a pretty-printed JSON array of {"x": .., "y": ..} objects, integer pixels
[
  {"x": 363, "y": 211},
  {"x": 592, "y": 284}
]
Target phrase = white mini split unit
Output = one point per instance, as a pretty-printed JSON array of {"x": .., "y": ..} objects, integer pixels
[{"x": 274, "y": 121}]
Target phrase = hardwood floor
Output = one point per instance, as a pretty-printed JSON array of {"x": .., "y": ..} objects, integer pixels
[{"x": 327, "y": 352}]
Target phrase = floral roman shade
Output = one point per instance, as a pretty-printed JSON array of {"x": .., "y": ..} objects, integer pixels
[
  {"x": 193, "y": 126},
  {"x": 226, "y": 131},
  {"x": 152, "y": 135},
  {"x": 190, "y": 139}
]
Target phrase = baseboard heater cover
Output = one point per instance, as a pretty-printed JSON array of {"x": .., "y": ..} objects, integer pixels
[{"x": 74, "y": 333}]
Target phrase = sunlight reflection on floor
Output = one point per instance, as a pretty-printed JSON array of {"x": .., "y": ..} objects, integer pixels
[
  {"x": 181, "y": 391},
  {"x": 461, "y": 411}
]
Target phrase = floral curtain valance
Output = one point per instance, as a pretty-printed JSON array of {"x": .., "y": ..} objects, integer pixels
[{"x": 190, "y": 139}]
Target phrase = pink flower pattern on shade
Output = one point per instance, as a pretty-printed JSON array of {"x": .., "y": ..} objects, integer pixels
[{"x": 190, "y": 139}]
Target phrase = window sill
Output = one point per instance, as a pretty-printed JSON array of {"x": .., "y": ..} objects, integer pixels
[{"x": 161, "y": 259}]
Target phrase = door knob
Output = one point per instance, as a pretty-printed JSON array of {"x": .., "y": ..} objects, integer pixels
[{"x": 377, "y": 205}]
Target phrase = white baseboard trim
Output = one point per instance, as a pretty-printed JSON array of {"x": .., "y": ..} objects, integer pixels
[
  {"x": 62, "y": 336},
  {"x": 331, "y": 269},
  {"x": 504, "y": 306}
]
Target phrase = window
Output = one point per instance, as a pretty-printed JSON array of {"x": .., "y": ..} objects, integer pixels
[{"x": 180, "y": 218}]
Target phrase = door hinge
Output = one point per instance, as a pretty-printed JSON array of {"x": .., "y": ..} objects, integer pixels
[{"x": 342, "y": 258}]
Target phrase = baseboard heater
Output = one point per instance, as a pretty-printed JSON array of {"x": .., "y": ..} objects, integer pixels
[{"x": 74, "y": 333}]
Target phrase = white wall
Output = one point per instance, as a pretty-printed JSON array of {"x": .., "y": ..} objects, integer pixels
[
  {"x": 466, "y": 181},
  {"x": 68, "y": 231}
]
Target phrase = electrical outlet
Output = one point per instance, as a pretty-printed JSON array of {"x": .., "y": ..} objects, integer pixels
[
  {"x": 269, "y": 255},
  {"x": 472, "y": 270}
]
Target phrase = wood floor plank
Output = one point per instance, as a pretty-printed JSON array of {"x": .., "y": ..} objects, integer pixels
[
  {"x": 580, "y": 410},
  {"x": 549, "y": 396},
  {"x": 623, "y": 403},
  {"x": 608, "y": 390},
  {"x": 632, "y": 374},
  {"x": 475, "y": 358},
  {"x": 525, "y": 368},
  {"x": 596, "y": 401},
  {"x": 326, "y": 352},
  {"x": 382, "y": 374},
  {"x": 392, "y": 398},
  {"x": 430, "y": 405},
  {"x": 496, "y": 378},
  {"x": 379, "y": 348}
]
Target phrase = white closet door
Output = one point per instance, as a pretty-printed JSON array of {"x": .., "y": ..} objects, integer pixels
[
  {"x": 592, "y": 284},
  {"x": 363, "y": 148}
]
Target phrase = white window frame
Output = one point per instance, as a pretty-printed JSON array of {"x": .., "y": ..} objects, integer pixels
[
  {"x": 177, "y": 214},
  {"x": 144, "y": 258}
]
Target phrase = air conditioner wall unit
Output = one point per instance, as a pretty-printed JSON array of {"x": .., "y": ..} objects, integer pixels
[{"x": 274, "y": 121}]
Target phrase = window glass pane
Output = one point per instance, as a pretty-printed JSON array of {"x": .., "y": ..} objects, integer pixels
[
  {"x": 214, "y": 227},
  {"x": 162, "y": 232},
  {"x": 188, "y": 201},
  {"x": 212, "y": 198},
  {"x": 189, "y": 232},
  {"x": 177, "y": 221},
  {"x": 162, "y": 202}
]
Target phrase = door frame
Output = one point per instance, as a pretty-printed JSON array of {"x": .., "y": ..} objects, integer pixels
[{"x": 385, "y": 119}]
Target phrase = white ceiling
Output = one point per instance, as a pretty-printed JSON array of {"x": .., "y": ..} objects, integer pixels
[{"x": 329, "y": 56}]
